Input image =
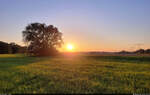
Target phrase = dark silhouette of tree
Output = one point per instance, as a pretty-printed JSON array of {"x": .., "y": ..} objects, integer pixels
[
  {"x": 140, "y": 51},
  {"x": 42, "y": 40},
  {"x": 4, "y": 48},
  {"x": 11, "y": 48},
  {"x": 125, "y": 52},
  {"x": 14, "y": 48},
  {"x": 147, "y": 51}
]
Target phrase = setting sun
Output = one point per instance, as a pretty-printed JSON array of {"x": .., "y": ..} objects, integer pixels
[{"x": 70, "y": 47}]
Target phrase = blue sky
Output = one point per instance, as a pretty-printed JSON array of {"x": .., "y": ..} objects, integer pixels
[{"x": 103, "y": 25}]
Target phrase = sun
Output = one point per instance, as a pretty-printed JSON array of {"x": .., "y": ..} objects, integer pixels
[{"x": 70, "y": 47}]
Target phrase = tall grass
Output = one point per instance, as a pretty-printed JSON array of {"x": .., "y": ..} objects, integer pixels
[{"x": 75, "y": 74}]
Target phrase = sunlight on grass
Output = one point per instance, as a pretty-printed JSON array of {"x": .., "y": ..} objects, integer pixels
[
  {"x": 82, "y": 74},
  {"x": 11, "y": 55}
]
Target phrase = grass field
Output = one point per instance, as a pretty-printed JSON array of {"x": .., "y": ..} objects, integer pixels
[{"x": 74, "y": 74}]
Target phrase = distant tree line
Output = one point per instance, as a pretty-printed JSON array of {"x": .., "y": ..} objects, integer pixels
[
  {"x": 11, "y": 48},
  {"x": 139, "y": 51}
]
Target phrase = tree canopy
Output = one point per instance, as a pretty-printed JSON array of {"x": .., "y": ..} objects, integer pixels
[{"x": 41, "y": 39}]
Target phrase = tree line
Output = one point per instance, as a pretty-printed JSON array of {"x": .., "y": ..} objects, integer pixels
[
  {"x": 139, "y": 51},
  {"x": 11, "y": 48}
]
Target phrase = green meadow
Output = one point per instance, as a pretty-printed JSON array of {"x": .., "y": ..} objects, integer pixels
[{"x": 74, "y": 74}]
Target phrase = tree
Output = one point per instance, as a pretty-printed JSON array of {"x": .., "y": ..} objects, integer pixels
[
  {"x": 147, "y": 51},
  {"x": 11, "y": 48},
  {"x": 42, "y": 40},
  {"x": 4, "y": 48},
  {"x": 14, "y": 47},
  {"x": 140, "y": 51}
]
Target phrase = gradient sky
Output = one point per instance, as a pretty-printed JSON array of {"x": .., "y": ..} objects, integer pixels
[{"x": 90, "y": 25}]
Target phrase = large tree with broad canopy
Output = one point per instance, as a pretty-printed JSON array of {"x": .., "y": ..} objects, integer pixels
[{"x": 41, "y": 39}]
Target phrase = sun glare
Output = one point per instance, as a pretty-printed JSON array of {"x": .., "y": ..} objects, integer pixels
[{"x": 70, "y": 47}]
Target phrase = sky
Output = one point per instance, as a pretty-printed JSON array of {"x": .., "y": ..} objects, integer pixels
[{"x": 90, "y": 25}]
